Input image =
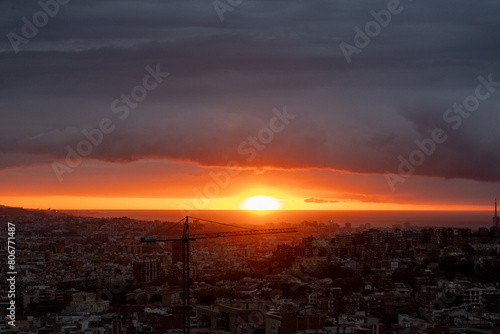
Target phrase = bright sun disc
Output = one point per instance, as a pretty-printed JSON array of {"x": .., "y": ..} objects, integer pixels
[{"x": 261, "y": 203}]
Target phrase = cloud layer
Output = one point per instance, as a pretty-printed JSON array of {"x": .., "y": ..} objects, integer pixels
[{"x": 226, "y": 78}]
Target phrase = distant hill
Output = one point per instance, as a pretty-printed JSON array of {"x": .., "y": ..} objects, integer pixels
[
  {"x": 16, "y": 211},
  {"x": 10, "y": 211}
]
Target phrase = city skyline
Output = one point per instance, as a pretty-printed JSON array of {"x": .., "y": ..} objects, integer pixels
[{"x": 78, "y": 274}]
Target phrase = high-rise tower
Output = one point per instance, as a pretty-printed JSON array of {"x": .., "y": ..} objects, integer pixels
[{"x": 496, "y": 219}]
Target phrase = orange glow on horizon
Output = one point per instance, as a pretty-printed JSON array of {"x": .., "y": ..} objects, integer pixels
[
  {"x": 170, "y": 185},
  {"x": 233, "y": 203}
]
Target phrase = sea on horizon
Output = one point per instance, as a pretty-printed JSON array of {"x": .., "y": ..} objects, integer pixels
[{"x": 377, "y": 219}]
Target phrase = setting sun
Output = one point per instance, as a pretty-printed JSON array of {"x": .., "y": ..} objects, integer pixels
[{"x": 261, "y": 203}]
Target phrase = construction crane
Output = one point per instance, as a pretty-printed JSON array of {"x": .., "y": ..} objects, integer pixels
[{"x": 186, "y": 239}]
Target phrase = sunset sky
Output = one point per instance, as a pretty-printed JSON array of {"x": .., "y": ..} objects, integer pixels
[{"x": 183, "y": 105}]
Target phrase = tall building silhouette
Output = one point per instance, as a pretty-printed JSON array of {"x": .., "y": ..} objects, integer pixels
[
  {"x": 176, "y": 251},
  {"x": 496, "y": 219},
  {"x": 146, "y": 271}
]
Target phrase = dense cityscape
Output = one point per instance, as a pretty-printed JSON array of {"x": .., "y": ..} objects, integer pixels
[{"x": 89, "y": 275}]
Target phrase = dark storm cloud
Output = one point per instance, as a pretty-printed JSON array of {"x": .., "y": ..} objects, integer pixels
[{"x": 226, "y": 77}]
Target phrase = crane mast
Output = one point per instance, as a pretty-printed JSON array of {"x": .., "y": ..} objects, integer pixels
[{"x": 186, "y": 238}]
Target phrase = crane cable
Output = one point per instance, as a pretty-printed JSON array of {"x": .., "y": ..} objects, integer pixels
[
  {"x": 205, "y": 220},
  {"x": 171, "y": 227},
  {"x": 214, "y": 222}
]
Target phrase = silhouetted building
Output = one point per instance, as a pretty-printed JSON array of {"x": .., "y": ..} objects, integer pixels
[
  {"x": 496, "y": 219},
  {"x": 116, "y": 327},
  {"x": 176, "y": 251},
  {"x": 146, "y": 271}
]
